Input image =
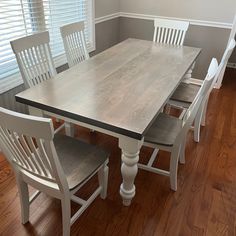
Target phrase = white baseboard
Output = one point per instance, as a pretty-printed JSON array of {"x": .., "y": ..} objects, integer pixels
[{"x": 231, "y": 65}]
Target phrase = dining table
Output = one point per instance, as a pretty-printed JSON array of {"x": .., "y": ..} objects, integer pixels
[{"x": 119, "y": 92}]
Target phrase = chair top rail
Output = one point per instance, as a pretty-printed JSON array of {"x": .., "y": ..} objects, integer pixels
[
  {"x": 25, "y": 124},
  {"x": 171, "y": 24},
  {"x": 30, "y": 41},
  {"x": 72, "y": 28}
]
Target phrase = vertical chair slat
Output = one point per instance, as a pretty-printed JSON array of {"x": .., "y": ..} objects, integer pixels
[
  {"x": 23, "y": 153},
  {"x": 38, "y": 159},
  {"x": 50, "y": 61},
  {"x": 75, "y": 45},
  {"x": 183, "y": 37},
  {"x": 172, "y": 36},
  {"x": 41, "y": 65},
  {"x": 34, "y": 65},
  {"x": 162, "y": 34},
  {"x": 45, "y": 62},
  {"x": 166, "y": 35},
  {"x": 158, "y": 34},
  {"x": 45, "y": 156},
  {"x": 155, "y": 35},
  {"x": 80, "y": 46},
  {"x": 84, "y": 46},
  {"x": 169, "y": 36},
  {"x": 23, "y": 68},
  {"x": 28, "y": 67},
  {"x": 176, "y": 37},
  {"x": 73, "y": 49},
  {"x": 5, "y": 139},
  {"x": 30, "y": 154},
  {"x": 179, "y": 37}
]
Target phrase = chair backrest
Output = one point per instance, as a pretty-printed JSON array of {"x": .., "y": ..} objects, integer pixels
[
  {"x": 74, "y": 43},
  {"x": 170, "y": 31},
  {"x": 233, "y": 30},
  {"x": 199, "y": 99},
  {"x": 34, "y": 58},
  {"x": 220, "y": 72},
  {"x": 27, "y": 142}
]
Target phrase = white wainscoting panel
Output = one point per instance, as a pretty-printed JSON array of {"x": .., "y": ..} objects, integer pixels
[{"x": 8, "y": 101}]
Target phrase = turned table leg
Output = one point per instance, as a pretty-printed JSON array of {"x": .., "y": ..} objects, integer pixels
[{"x": 130, "y": 156}]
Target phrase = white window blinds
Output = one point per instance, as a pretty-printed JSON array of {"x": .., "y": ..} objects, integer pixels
[{"x": 23, "y": 17}]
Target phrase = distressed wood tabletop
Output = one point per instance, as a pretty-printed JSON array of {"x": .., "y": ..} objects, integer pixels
[{"x": 121, "y": 89}]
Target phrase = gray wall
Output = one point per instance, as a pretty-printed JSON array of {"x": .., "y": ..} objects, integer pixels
[
  {"x": 106, "y": 7},
  {"x": 233, "y": 57},
  {"x": 212, "y": 40},
  {"x": 208, "y": 10},
  {"x": 107, "y": 34}
]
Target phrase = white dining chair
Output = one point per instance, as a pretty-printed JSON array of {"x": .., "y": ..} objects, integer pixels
[
  {"x": 56, "y": 165},
  {"x": 222, "y": 71},
  {"x": 170, "y": 31},
  {"x": 74, "y": 43},
  {"x": 168, "y": 133},
  {"x": 186, "y": 93},
  {"x": 34, "y": 58}
]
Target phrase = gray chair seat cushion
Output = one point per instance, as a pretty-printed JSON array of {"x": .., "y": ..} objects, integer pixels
[
  {"x": 79, "y": 160},
  {"x": 164, "y": 130},
  {"x": 185, "y": 92}
]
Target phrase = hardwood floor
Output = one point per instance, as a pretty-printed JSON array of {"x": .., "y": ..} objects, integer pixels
[{"x": 205, "y": 203}]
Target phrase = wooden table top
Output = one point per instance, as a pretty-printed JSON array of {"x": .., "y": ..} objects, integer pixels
[{"x": 121, "y": 89}]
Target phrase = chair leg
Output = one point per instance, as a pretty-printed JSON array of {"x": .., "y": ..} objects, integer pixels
[
  {"x": 173, "y": 169},
  {"x": 197, "y": 125},
  {"x": 103, "y": 180},
  {"x": 167, "y": 108},
  {"x": 66, "y": 215},
  {"x": 69, "y": 129},
  {"x": 203, "y": 120},
  {"x": 24, "y": 199},
  {"x": 182, "y": 152}
]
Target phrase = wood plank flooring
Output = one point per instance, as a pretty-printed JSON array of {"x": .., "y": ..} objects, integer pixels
[{"x": 205, "y": 203}]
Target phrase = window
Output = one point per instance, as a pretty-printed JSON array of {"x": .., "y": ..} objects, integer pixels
[{"x": 23, "y": 17}]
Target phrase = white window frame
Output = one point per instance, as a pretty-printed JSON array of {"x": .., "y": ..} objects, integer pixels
[{"x": 15, "y": 80}]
